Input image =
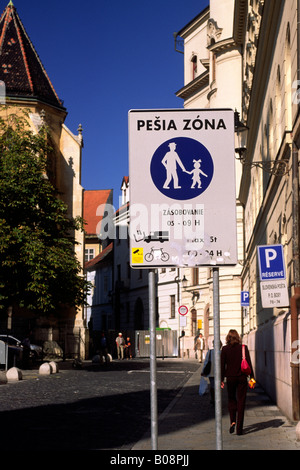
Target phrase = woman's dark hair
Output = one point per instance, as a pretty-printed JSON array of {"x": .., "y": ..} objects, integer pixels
[{"x": 233, "y": 337}]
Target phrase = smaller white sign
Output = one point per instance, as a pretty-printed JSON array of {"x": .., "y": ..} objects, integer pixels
[{"x": 274, "y": 294}]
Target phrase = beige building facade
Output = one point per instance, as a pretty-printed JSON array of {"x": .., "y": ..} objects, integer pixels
[
  {"x": 269, "y": 190},
  {"x": 244, "y": 54},
  {"x": 212, "y": 79}
]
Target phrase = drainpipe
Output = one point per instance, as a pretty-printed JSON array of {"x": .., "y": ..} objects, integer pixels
[{"x": 295, "y": 299}]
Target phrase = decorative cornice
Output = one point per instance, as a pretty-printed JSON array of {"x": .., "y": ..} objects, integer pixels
[
  {"x": 239, "y": 24},
  {"x": 213, "y": 32},
  {"x": 221, "y": 46},
  {"x": 193, "y": 87}
]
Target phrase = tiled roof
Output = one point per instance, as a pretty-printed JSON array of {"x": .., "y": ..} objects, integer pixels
[
  {"x": 20, "y": 67},
  {"x": 92, "y": 210},
  {"x": 99, "y": 258}
]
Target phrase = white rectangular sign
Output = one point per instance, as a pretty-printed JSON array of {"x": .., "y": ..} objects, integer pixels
[
  {"x": 274, "y": 294},
  {"x": 182, "y": 188}
]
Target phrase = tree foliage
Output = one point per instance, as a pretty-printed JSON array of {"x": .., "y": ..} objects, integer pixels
[{"x": 38, "y": 267}]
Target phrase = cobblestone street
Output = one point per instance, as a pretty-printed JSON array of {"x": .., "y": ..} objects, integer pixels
[
  {"x": 99, "y": 407},
  {"x": 108, "y": 407}
]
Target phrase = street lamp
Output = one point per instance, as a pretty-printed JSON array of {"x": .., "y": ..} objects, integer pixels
[
  {"x": 273, "y": 167},
  {"x": 240, "y": 136},
  {"x": 184, "y": 282}
]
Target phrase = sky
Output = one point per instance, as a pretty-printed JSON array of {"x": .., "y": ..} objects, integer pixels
[{"x": 105, "y": 57}]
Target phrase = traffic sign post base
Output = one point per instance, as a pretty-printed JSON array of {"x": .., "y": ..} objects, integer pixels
[
  {"x": 153, "y": 372},
  {"x": 217, "y": 360}
]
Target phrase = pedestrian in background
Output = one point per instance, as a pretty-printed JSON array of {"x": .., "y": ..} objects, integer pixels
[
  {"x": 128, "y": 348},
  {"x": 237, "y": 382},
  {"x": 199, "y": 347},
  {"x": 209, "y": 370},
  {"x": 120, "y": 342},
  {"x": 103, "y": 347}
]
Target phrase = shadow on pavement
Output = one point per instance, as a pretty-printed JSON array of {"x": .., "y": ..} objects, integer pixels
[{"x": 272, "y": 423}]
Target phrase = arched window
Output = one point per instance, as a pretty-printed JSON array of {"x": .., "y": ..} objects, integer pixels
[{"x": 194, "y": 67}]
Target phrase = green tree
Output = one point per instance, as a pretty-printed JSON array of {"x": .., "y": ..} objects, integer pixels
[{"x": 38, "y": 267}]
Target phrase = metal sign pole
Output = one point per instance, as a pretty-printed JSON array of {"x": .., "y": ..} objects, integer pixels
[
  {"x": 217, "y": 359},
  {"x": 153, "y": 374}
]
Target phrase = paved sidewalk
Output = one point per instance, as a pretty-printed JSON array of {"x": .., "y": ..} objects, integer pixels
[{"x": 189, "y": 424}]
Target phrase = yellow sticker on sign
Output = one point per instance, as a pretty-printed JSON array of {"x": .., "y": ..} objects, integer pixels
[{"x": 137, "y": 255}]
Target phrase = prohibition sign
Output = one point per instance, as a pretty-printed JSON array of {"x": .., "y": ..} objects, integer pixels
[{"x": 183, "y": 310}]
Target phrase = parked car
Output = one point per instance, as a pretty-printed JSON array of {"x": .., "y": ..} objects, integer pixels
[
  {"x": 35, "y": 350},
  {"x": 13, "y": 355}
]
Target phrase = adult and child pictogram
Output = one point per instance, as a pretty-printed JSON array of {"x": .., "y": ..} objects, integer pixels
[{"x": 182, "y": 168}]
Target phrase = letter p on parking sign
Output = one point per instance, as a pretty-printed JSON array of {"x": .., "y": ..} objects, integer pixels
[{"x": 271, "y": 262}]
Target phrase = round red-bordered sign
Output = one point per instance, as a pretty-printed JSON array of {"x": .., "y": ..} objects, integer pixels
[{"x": 183, "y": 310}]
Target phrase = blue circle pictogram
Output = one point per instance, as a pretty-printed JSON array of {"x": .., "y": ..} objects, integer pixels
[{"x": 181, "y": 168}]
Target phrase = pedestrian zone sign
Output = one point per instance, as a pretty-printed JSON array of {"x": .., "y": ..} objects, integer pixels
[{"x": 182, "y": 188}]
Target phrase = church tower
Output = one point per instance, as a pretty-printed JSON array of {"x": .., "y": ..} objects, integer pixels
[
  {"x": 27, "y": 86},
  {"x": 21, "y": 69}
]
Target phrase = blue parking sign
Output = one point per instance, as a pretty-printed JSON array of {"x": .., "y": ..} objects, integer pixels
[
  {"x": 271, "y": 262},
  {"x": 245, "y": 299}
]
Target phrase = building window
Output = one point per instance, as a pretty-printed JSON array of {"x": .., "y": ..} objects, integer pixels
[
  {"x": 213, "y": 67},
  {"x": 194, "y": 322},
  {"x": 89, "y": 253},
  {"x": 194, "y": 67},
  {"x": 172, "y": 306}
]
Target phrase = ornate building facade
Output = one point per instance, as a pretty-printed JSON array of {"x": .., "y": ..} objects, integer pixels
[
  {"x": 269, "y": 190},
  {"x": 244, "y": 54}
]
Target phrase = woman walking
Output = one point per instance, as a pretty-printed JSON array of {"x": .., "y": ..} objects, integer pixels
[{"x": 237, "y": 383}]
